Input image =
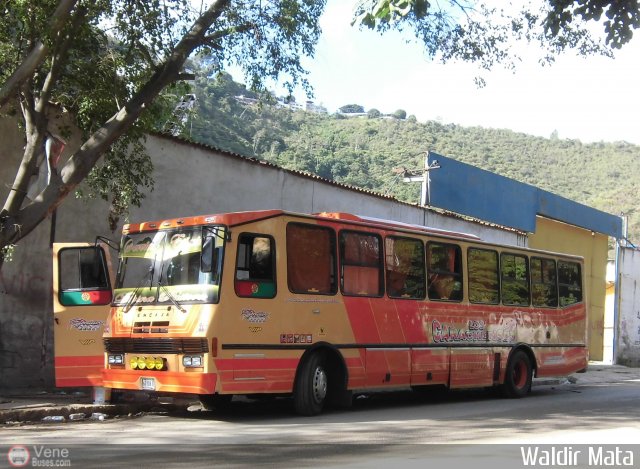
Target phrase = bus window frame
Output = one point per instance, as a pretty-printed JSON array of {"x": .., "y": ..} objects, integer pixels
[
  {"x": 498, "y": 276},
  {"x": 531, "y": 282},
  {"x": 457, "y": 276},
  {"x": 381, "y": 263},
  {"x": 103, "y": 265},
  {"x": 580, "y": 277},
  {"x": 274, "y": 267},
  {"x": 424, "y": 268},
  {"x": 527, "y": 282},
  {"x": 333, "y": 278}
]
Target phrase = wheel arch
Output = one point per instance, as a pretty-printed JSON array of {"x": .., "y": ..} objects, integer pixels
[
  {"x": 336, "y": 366},
  {"x": 529, "y": 351}
]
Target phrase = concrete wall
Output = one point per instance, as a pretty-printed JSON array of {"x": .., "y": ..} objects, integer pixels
[
  {"x": 628, "y": 343},
  {"x": 190, "y": 180},
  {"x": 556, "y": 236}
]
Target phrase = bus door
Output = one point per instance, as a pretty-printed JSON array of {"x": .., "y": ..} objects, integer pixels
[{"x": 82, "y": 279}]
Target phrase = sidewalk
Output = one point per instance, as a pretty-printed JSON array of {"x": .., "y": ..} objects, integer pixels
[
  {"x": 28, "y": 406},
  {"x": 63, "y": 405}
]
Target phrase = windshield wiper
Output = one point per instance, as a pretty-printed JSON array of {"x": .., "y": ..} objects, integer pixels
[
  {"x": 136, "y": 292},
  {"x": 172, "y": 298}
]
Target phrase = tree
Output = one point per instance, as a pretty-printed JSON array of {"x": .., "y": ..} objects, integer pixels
[
  {"x": 351, "y": 109},
  {"x": 400, "y": 114},
  {"x": 113, "y": 64},
  {"x": 373, "y": 113}
]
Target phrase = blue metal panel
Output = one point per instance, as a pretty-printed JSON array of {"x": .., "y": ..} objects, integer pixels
[{"x": 472, "y": 191}]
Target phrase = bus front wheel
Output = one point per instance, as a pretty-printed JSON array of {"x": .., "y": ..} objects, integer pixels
[
  {"x": 311, "y": 386},
  {"x": 518, "y": 375}
]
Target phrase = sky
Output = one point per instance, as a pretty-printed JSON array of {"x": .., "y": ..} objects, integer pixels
[{"x": 591, "y": 99}]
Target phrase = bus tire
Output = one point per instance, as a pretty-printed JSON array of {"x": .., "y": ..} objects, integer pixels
[
  {"x": 518, "y": 375},
  {"x": 311, "y": 386}
]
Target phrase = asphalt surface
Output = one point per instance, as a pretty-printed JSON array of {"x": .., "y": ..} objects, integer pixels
[{"x": 27, "y": 406}]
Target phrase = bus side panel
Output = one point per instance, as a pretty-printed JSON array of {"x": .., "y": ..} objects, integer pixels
[
  {"x": 561, "y": 361},
  {"x": 429, "y": 366},
  {"x": 471, "y": 367},
  {"x": 80, "y": 314}
]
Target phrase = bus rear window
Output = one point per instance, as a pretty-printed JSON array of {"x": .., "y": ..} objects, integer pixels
[{"x": 310, "y": 259}]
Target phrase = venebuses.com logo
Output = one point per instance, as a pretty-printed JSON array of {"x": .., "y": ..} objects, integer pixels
[
  {"x": 18, "y": 456},
  {"x": 38, "y": 456}
]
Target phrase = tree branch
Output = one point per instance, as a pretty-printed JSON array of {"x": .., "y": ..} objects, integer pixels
[
  {"x": 15, "y": 227},
  {"x": 37, "y": 54}
]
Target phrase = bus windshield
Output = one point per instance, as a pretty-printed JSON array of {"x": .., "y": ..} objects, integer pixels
[{"x": 180, "y": 266}]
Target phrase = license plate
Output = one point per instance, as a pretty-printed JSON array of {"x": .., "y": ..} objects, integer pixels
[{"x": 148, "y": 384}]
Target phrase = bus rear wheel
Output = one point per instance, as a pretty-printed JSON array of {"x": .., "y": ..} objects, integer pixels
[
  {"x": 311, "y": 386},
  {"x": 518, "y": 375}
]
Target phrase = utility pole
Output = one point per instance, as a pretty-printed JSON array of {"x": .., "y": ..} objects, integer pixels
[{"x": 422, "y": 176}]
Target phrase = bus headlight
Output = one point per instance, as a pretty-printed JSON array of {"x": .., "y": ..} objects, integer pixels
[
  {"x": 192, "y": 361},
  {"x": 115, "y": 359}
]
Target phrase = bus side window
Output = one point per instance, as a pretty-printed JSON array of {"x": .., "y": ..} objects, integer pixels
[
  {"x": 255, "y": 266},
  {"x": 311, "y": 259},
  {"x": 404, "y": 267},
  {"x": 569, "y": 283},
  {"x": 484, "y": 276},
  {"x": 361, "y": 264},
  {"x": 83, "y": 277},
  {"x": 544, "y": 283},
  {"x": 444, "y": 271},
  {"x": 515, "y": 279}
]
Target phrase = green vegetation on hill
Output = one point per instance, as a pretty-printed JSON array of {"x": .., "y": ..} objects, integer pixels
[{"x": 363, "y": 151}]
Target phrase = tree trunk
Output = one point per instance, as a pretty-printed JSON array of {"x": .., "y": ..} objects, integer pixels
[{"x": 17, "y": 222}]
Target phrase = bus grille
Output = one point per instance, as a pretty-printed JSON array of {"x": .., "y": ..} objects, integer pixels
[{"x": 177, "y": 345}]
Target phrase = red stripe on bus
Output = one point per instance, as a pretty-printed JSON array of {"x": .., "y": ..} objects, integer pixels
[{"x": 79, "y": 360}]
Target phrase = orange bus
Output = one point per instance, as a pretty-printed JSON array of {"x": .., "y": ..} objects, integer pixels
[{"x": 318, "y": 307}]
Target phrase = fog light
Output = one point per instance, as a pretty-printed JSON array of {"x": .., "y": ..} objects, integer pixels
[
  {"x": 150, "y": 362},
  {"x": 133, "y": 363},
  {"x": 159, "y": 362},
  {"x": 141, "y": 363}
]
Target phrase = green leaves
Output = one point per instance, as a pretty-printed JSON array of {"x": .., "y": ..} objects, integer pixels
[{"x": 470, "y": 31}]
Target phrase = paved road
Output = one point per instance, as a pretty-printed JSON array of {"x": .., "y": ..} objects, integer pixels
[{"x": 384, "y": 429}]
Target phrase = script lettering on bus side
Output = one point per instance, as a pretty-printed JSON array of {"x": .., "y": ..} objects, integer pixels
[
  {"x": 476, "y": 331},
  {"x": 450, "y": 333}
]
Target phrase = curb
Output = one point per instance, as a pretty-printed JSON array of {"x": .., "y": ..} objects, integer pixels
[{"x": 34, "y": 414}]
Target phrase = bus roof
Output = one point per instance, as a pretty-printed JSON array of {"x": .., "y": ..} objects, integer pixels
[{"x": 241, "y": 218}]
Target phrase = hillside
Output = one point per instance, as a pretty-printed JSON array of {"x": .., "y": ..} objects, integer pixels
[{"x": 363, "y": 151}]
